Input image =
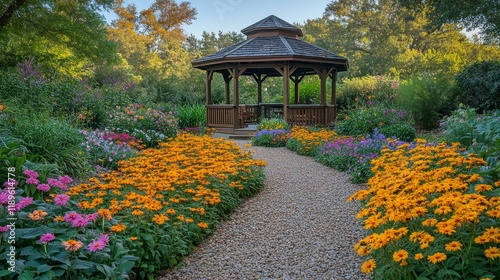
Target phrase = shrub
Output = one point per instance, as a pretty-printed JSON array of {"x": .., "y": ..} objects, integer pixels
[
  {"x": 191, "y": 116},
  {"x": 428, "y": 214},
  {"x": 49, "y": 140},
  {"x": 270, "y": 138},
  {"x": 149, "y": 125},
  {"x": 168, "y": 198},
  {"x": 402, "y": 131},
  {"x": 478, "y": 86},
  {"x": 273, "y": 124},
  {"x": 427, "y": 98},
  {"x": 367, "y": 91},
  {"x": 364, "y": 121},
  {"x": 52, "y": 237},
  {"x": 107, "y": 148}
]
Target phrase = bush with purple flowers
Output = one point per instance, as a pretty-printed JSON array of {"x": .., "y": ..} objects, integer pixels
[
  {"x": 106, "y": 148},
  {"x": 353, "y": 154},
  {"x": 271, "y": 138},
  {"x": 44, "y": 236}
]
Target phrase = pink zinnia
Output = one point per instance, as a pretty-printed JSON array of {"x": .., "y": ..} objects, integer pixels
[
  {"x": 4, "y": 228},
  {"x": 71, "y": 216},
  {"x": 61, "y": 199},
  {"x": 47, "y": 237},
  {"x": 79, "y": 222},
  {"x": 96, "y": 245},
  {"x": 25, "y": 201},
  {"x": 43, "y": 187},
  {"x": 104, "y": 238},
  {"x": 92, "y": 217}
]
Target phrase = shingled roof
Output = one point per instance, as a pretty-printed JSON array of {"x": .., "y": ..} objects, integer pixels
[{"x": 272, "y": 39}]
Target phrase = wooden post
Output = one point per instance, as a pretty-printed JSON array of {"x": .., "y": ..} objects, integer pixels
[
  {"x": 333, "y": 75},
  {"x": 323, "y": 73},
  {"x": 210, "y": 75},
  {"x": 286, "y": 91},
  {"x": 296, "y": 80},
  {"x": 227, "y": 78},
  {"x": 259, "y": 79}
]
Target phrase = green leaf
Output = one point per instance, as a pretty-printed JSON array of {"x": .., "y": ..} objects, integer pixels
[
  {"x": 26, "y": 276},
  {"x": 79, "y": 264},
  {"x": 43, "y": 268},
  {"x": 31, "y": 233},
  {"x": 5, "y": 272}
]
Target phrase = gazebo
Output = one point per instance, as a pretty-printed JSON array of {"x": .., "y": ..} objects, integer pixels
[{"x": 272, "y": 49}]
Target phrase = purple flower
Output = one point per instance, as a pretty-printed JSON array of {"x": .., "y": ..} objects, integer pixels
[
  {"x": 43, "y": 187},
  {"x": 71, "y": 216},
  {"x": 61, "y": 199},
  {"x": 4, "y": 228},
  {"x": 104, "y": 238},
  {"x": 47, "y": 237},
  {"x": 32, "y": 181}
]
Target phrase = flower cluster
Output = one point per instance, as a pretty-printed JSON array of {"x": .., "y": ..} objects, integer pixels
[
  {"x": 429, "y": 215},
  {"x": 307, "y": 141},
  {"x": 271, "y": 138},
  {"x": 143, "y": 121},
  {"x": 106, "y": 148},
  {"x": 168, "y": 198}
]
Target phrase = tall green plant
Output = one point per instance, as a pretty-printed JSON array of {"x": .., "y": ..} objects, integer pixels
[{"x": 191, "y": 115}]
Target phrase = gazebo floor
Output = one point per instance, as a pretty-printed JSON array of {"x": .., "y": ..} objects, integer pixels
[{"x": 249, "y": 130}]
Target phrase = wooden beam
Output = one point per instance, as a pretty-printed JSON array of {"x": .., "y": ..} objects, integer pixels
[
  {"x": 227, "y": 78},
  {"x": 286, "y": 91},
  {"x": 333, "y": 75}
]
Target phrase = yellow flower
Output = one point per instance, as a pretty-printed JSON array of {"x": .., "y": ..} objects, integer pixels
[
  {"x": 137, "y": 212},
  {"x": 171, "y": 211},
  {"x": 160, "y": 219},
  {"x": 418, "y": 256},
  {"x": 118, "y": 228},
  {"x": 133, "y": 238},
  {"x": 105, "y": 214},
  {"x": 492, "y": 253},
  {"x": 202, "y": 225},
  {"x": 453, "y": 246},
  {"x": 400, "y": 255},
  {"x": 437, "y": 257},
  {"x": 368, "y": 266}
]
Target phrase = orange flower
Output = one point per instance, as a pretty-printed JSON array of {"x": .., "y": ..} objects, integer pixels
[
  {"x": 72, "y": 245},
  {"x": 133, "y": 238},
  {"x": 118, "y": 228},
  {"x": 418, "y": 256},
  {"x": 400, "y": 255},
  {"x": 37, "y": 215},
  {"x": 368, "y": 266},
  {"x": 202, "y": 225},
  {"x": 492, "y": 253},
  {"x": 453, "y": 246},
  {"x": 160, "y": 219},
  {"x": 437, "y": 257},
  {"x": 105, "y": 214}
]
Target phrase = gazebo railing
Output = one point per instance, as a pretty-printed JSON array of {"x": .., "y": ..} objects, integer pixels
[
  {"x": 310, "y": 115},
  {"x": 221, "y": 116}
]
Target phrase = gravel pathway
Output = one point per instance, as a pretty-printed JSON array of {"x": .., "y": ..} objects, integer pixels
[{"x": 298, "y": 227}]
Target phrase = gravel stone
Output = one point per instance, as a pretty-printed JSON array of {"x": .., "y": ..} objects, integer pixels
[{"x": 298, "y": 227}]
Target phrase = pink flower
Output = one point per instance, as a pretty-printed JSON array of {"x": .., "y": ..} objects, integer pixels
[
  {"x": 96, "y": 245},
  {"x": 4, "y": 198},
  {"x": 4, "y": 228},
  {"x": 32, "y": 181},
  {"x": 71, "y": 216},
  {"x": 43, "y": 187},
  {"x": 25, "y": 201},
  {"x": 11, "y": 183},
  {"x": 31, "y": 173},
  {"x": 52, "y": 182},
  {"x": 65, "y": 179},
  {"x": 47, "y": 237},
  {"x": 104, "y": 238},
  {"x": 92, "y": 217},
  {"x": 79, "y": 222},
  {"x": 61, "y": 199}
]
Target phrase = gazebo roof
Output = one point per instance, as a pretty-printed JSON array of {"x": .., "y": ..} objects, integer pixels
[{"x": 272, "y": 40}]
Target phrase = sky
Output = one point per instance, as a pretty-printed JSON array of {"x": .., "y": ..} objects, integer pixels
[{"x": 234, "y": 15}]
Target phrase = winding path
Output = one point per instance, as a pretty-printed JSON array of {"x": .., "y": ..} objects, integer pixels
[{"x": 298, "y": 227}]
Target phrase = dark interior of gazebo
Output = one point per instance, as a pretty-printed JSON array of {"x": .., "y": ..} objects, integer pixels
[{"x": 272, "y": 49}]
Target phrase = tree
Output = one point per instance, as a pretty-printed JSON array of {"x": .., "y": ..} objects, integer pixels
[
  {"x": 66, "y": 36},
  {"x": 472, "y": 14}
]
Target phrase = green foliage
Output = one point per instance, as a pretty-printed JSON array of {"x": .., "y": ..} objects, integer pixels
[
  {"x": 39, "y": 257},
  {"x": 364, "y": 121},
  {"x": 427, "y": 97},
  {"x": 273, "y": 124},
  {"x": 402, "y": 131},
  {"x": 367, "y": 91},
  {"x": 478, "y": 86},
  {"x": 191, "y": 115},
  {"x": 51, "y": 140}
]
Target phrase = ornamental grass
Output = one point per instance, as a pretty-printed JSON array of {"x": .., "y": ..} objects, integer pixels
[
  {"x": 166, "y": 199},
  {"x": 429, "y": 215},
  {"x": 307, "y": 140}
]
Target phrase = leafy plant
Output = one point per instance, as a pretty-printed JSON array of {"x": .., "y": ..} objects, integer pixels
[
  {"x": 270, "y": 138},
  {"x": 273, "y": 124},
  {"x": 191, "y": 116}
]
